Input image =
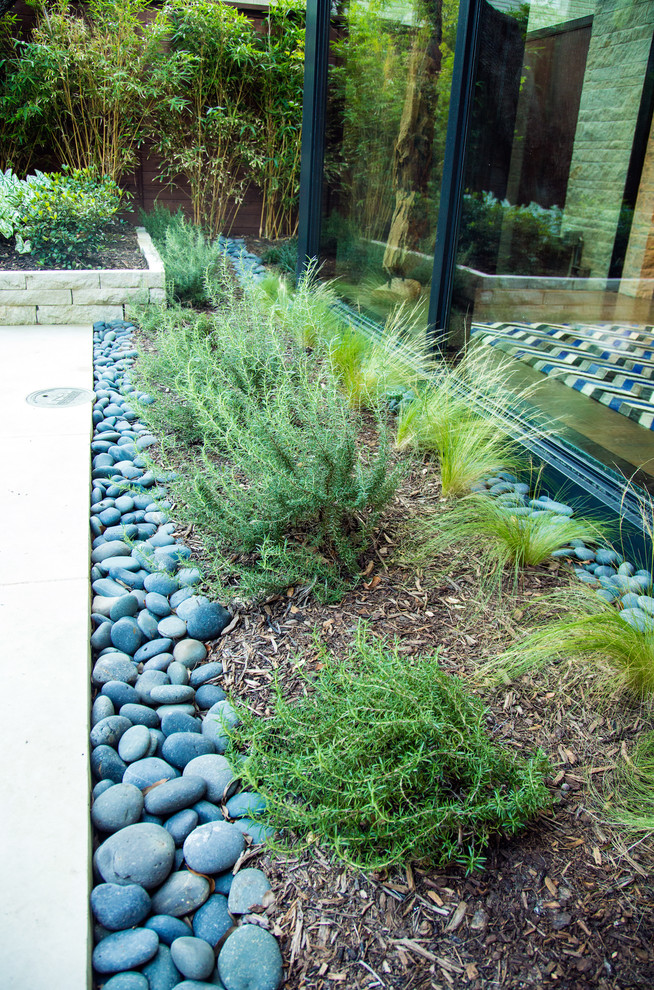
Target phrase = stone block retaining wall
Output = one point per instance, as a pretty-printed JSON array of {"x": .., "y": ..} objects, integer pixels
[{"x": 39, "y": 296}]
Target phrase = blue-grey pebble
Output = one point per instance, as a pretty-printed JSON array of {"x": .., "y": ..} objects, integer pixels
[
  {"x": 108, "y": 587},
  {"x": 214, "y": 731},
  {"x": 110, "y": 564},
  {"x": 125, "y": 950},
  {"x": 248, "y": 890},
  {"x": 157, "y": 604},
  {"x": 148, "y": 624},
  {"x": 148, "y": 680},
  {"x": 120, "y": 693},
  {"x": 161, "y": 971},
  {"x": 102, "y": 708},
  {"x": 213, "y": 848},
  {"x": 113, "y": 667},
  {"x": 189, "y": 576},
  {"x": 117, "y": 807},
  {"x": 110, "y": 730},
  {"x": 207, "y": 621},
  {"x": 245, "y": 803},
  {"x": 208, "y": 695},
  {"x": 250, "y": 959},
  {"x": 178, "y": 673},
  {"x": 223, "y": 882},
  {"x": 181, "y": 894},
  {"x": 140, "y": 715},
  {"x": 101, "y": 637},
  {"x": 206, "y": 672},
  {"x": 189, "y": 652},
  {"x": 161, "y": 661},
  {"x": 172, "y": 626},
  {"x": 119, "y": 906},
  {"x": 114, "y": 548},
  {"x": 174, "y": 795},
  {"x": 212, "y": 920},
  {"x": 257, "y": 832},
  {"x": 152, "y": 648},
  {"x": 142, "y": 853},
  {"x": 182, "y": 747},
  {"x": 130, "y": 980},
  {"x": 179, "y": 596},
  {"x": 164, "y": 710},
  {"x": 167, "y": 927},
  {"x": 193, "y": 957},
  {"x": 160, "y": 539},
  {"x": 172, "y": 694},
  {"x": 189, "y": 605},
  {"x": 125, "y": 607},
  {"x": 208, "y": 812},
  {"x": 177, "y": 721},
  {"x": 106, "y": 764},
  {"x": 162, "y": 583},
  {"x": 216, "y": 771},
  {"x": 181, "y": 824},
  {"x": 135, "y": 744},
  {"x": 101, "y": 787},
  {"x": 144, "y": 773}
]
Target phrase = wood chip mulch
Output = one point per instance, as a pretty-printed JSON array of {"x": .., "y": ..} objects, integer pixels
[{"x": 569, "y": 903}]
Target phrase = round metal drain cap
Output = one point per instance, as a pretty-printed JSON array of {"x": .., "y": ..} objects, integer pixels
[{"x": 60, "y": 397}]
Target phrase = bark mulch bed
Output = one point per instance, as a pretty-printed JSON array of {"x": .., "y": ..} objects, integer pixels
[
  {"x": 121, "y": 251},
  {"x": 569, "y": 903}
]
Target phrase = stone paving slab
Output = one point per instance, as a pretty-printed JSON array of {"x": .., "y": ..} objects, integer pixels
[{"x": 44, "y": 615}]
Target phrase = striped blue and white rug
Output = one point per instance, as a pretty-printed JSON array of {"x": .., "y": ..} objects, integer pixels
[{"x": 612, "y": 364}]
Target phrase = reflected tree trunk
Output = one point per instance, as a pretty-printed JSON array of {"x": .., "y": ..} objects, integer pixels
[{"x": 412, "y": 156}]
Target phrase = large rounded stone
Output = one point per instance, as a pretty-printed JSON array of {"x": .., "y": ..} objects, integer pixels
[
  {"x": 117, "y": 807},
  {"x": 207, "y": 621},
  {"x": 193, "y": 957},
  {"x": 150, "y": 679},
  {"x": 181, "y": 894},
  {"x": 167, "y": 927},
  {"x": 250, "y": 959},
  {"x": 119, "y": 693},
  {"x": 189, "y": 652},
  {"x": 181, "y": 824},
  {"x": 126, "y": 635},
  {"x": 212, "y": 920},
  {"x": 213, "y": 848},
  {"x": 126, "y": 981},
  {"x": 106, "y": 764},
  {"x": 174, "y": 795},
  {"x": 172, "y": 694},
  {"x": 217, "y": 773},
  {"x": 248, "y": 890},
  {"x": 125, "y": 950},
  {"x": 149, "y": 771},
  {"x": 245, "y": 803},
  {"x": 141, "y": 853},
  {"x": 110, "y": 730},
  {"x": 161, "y": 972},
  {"x": 206, "y": 672},
  {"x": 182, "y": 747},
  {"x": 172, "y": 626},
  {"x": 176, "y": 722},
  {"x": 140, "y": 715},
  {"x": 117, "y": 907},
  {"x": 115, "y": 667}
]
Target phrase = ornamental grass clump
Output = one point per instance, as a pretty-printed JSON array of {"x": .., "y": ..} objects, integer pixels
[
  {"x": 387, "y": 759},
  {"x": 590, "y": 631},
  {"x": 504, "y": 538},
  {"x": 632, "y": 799}
]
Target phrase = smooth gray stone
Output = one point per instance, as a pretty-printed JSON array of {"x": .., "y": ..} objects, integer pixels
[
  {"x": 201, "y": 985},
  {"x": 126, "y": 981},
  {"x": 119, "y": 906},
  {"x": 182, "y": 747},
  {"x": 167, "y": 927},
  {"x": 143, "y": 853},
  {"x": 245, "y": 803},
  {"x": 108, "y": 587},
  {"x": 216, "y": 771},
  {"x": 101, "y": 787},
  {"x": 223, "y": 882},
  {"x": 117, "y": 807},
  {"x": 250, "y": 959},
  {"x": 161, "y": 972},
  {"x": 115, "y": 667},
  {"x": 125, "y": 950},
  {"x": 172, "y": 694},
  {"x": 110, "y": 730},
  {"x": 124, "y": 503},
  {"x": 212, "y": 729},
  {"x": 135, "y": 744},
  {"x": 101, "y": 637},
  {"x": 152, "y": 648},
  {"x": 179, "y": 596},
  {"x": 102, "y": 708},
  {"x": 164, "y": 710},
  {"x": 206, "y": 672},
  {"x": 161, "y": 661},
  {"x": 148, "y": 624},
  {"x": 174, "y": 795},
  {"x": 212, "y": 920},
  {"x": 178, "y": 673},
  {"x": 213, "y": 848},
  {"x": 122, "y": 563},
  {"x": 119, "y": 693},
  {"x": 189, "y": 652},
  {"x": 162, "y": 583},
  {"x": 224, "y": 712},
  {"x": 102, "y": 604},
  {"x": 106, "y": 764},
  {"x": 208, "y": 812},
  {"x": 257, "y": 832},
  {"x": 248, "y": 890},
  {"x": 190, "y": 604},
  {"x": 181, "y": 824},
  {"x": 181, "y": 894},
  {"x": 172, "y": 626},
  {"x": 148, "y": 680},
  {"x": 208, "y": 695},
  {"x": 646, "y": 603},
  {"x": 160, "y": 539},
  {"x": 207, "y": 621},
  {"x": 140, "y": 715},
  {"x": 627, "y": 569},
  {"x": 193, "y": 957},
  {"x": 176, "y": 721},
  {"x": 114, "y": 548},
  {"x": 188, "y": 576},
  {"x": 157, "y": 604},
  {"x": 144, "y": 773},
  {"x": 127, "y": 606}
]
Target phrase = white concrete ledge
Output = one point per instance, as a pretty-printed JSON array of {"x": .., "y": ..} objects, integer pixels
[{"x": 73, "y": 297}]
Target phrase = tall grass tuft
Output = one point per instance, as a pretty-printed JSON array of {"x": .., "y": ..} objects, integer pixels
[
  {"x": 388, "y": 759},
  {"x": 591, "y": 631},
  {"x": 502, "y": 537},
  {"x": 632, "y": 801}
]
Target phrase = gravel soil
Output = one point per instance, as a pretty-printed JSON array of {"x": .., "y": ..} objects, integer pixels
[{"x": 121, "y": 251}]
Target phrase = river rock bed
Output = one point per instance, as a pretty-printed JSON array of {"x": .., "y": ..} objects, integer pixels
[{"x": 172, "y": 908}]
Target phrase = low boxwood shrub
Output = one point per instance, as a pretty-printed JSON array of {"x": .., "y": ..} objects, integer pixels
[{"x": 387, "y": 759}]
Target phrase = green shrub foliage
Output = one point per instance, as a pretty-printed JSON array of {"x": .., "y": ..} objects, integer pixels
[{"x": 388, "y": 759}]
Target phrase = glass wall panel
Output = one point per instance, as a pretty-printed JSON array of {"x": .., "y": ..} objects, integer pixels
[
  {"x": 389, "y": 85},
  {"x": 555, "y": 262}
]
